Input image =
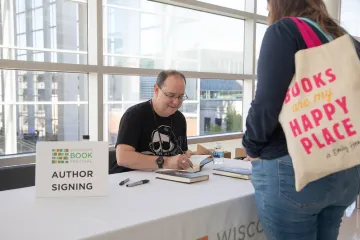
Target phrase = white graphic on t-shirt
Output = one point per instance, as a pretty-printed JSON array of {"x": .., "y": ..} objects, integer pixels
[{"x": 162, "y": 142}]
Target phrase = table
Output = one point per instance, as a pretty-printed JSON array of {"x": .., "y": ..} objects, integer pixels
[{"x": 222, "y": 208}]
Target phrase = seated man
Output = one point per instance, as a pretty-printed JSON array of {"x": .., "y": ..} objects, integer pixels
[{"x": 152, "y": 134}]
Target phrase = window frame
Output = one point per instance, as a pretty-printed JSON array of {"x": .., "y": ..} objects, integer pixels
[{"x": 95, "y": 68}]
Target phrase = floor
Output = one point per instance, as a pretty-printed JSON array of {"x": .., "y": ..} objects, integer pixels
[{"x": 350, "y": 228}]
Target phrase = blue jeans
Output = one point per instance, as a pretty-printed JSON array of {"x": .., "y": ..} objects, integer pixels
[{"x": 314, "y": 213}]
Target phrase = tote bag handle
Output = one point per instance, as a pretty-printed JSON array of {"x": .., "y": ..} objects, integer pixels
[
  {"x": 314, "y": 24},
  {"x": 309, "y": 36}
]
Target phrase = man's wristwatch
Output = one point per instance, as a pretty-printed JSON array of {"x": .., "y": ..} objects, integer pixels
[{"x": 160, "y": 161}]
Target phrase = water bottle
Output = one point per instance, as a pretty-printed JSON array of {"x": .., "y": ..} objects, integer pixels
[{"x": 218, "y": 154}]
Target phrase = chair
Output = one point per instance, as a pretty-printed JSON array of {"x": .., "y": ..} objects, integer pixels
[{"x": 14, "y": 177}]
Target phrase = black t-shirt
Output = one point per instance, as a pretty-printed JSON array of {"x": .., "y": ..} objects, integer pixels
[{"x": 150, "y": 134}]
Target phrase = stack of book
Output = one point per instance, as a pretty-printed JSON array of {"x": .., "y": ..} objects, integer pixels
[{"x": 181, "y": 176}]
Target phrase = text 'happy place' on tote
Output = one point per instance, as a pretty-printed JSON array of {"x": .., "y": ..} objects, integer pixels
[{"x": 321, "y": 111}]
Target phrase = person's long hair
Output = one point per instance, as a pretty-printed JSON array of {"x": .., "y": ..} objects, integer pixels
[{"x": 312, "y": 9}]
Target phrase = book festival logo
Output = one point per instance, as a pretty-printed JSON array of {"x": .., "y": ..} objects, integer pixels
[
  {"x": 203, "y": 238},
  {"x": 71, "y": 156}
]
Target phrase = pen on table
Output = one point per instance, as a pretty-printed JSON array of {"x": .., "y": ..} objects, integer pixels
[
  {"x": 123, "y": 182},
  {"x": 138, "y": 183}
]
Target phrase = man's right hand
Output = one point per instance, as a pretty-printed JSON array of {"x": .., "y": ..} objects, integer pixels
[{"x": 177, "y": 162}]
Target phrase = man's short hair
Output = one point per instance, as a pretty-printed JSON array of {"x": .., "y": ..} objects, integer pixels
[{"x": 167, "y": 73}]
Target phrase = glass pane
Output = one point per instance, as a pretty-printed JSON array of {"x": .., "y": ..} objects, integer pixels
[
  {"x": 37, "y": 3},
  {"x": 235, "y": 4},
  {"x": 127, "y": 91},
  {"x": 262, "y": 7},
  {"x": 45, "y": 86},
  {"x": 3, "y": 76},
  {"x": 52, "y": 15},
  {"x": 21, "y": 23},
  {"x": 114, "y": 112},
  {"x": 260, "y": 33},
  {"x": 38, "y": 39},
  {"x": 255, "y": 85},
  {"x": 38, "y": 20},
  {"x": 39, "y": 57},
  {"x": 62, "y": 24},
  {"x": 350, "y": 17},
  {"x": 135, "y": 88},
  {"x": 50, "y": 122},
  {"x": 20, "y": 6},
  {"x": 160, "y": 36},
  {"x": 218, "y": 108},
  {"x": 41, "y": 106},
  {"x": 21, "y": 42}
]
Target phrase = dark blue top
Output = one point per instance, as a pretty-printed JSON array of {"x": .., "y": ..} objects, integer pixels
[{"x": 264, "y": 136}]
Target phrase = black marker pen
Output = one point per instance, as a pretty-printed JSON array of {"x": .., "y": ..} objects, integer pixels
[{"x": 138, "y": 183}]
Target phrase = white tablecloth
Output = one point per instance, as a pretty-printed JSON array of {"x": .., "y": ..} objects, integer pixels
[{"x": 222, "y": 208}]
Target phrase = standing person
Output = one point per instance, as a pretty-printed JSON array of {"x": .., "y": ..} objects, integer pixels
[
  {"x": 152, "y": 134},
  {"x": 316, "y": 211}
]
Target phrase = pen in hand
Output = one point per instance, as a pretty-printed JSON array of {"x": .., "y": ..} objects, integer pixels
[{"x": 191, "y": 164}]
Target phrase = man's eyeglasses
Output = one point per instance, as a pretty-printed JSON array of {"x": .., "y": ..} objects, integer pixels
[{"x": 173, "y": 96}]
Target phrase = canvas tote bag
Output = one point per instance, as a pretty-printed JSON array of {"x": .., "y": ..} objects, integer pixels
[{"x": 320, "y": 115}]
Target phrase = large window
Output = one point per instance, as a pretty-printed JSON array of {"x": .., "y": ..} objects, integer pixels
[
  {"x": 235, "y": 4},
  {"x": 41, "y": 106},
  {"x": 70, "y": 68},
  {"x": 262, "y": 7},
  {"x": 44, "y": 31},
  {"x": 260, "y": 33},
  {"x": 158, "y": 36},
  {"x": 125, "y": 91},
  {"x": 213, "y": 106},
  {"x": 221, "y": 106}
]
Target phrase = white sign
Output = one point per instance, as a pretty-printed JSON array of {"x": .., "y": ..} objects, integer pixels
[{"x": 66, "y": 169}]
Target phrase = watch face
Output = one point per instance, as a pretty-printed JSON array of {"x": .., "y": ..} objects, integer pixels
[{"x": 160, "y": 161}]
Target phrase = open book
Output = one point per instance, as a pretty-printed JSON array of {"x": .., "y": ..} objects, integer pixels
[{"x": 198, "y": 162}]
